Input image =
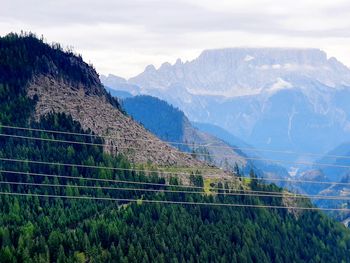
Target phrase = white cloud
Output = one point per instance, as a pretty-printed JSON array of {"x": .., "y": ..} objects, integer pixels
[
  {"x": 279, "y": 85},
  {"x": 248, "y": 58},
  {"x": 122, "y": 37}
]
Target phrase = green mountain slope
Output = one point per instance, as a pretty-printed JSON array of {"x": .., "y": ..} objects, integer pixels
[
  {"x": 55, "y": 229},
  {"x": 167, "y": 122},
  {"x": 56, "y": 81},
  {"x": 58, "y": 230}
]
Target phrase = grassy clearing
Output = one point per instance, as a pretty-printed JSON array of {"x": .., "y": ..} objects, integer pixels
[
  {"x": 246, "y": 181},
  {"x": 174, "y": 169},
  {"x": 207, "y": 182}
]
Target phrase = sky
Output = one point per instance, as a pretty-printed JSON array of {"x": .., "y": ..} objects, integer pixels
[{"x": 122, "y": 37}]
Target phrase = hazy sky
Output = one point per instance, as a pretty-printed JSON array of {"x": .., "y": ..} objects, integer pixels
[{"x": 123, "y": 36}]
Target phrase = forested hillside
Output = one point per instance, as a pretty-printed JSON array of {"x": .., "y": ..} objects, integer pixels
[
  {"x": 60, "y": 82},
  {"x": 36, "y": 229},
  {"x": 71, "y": 201},
  {"x": 155, "y": 115}
]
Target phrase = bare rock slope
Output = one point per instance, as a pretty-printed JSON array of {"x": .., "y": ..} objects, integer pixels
[{"x": 95, "y": 112}]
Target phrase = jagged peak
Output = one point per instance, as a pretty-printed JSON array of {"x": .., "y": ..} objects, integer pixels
[
  {"x": 178, "y": 62},
  {"x": 260, "y": 50},
  {"x": 113, "y": 77},
  {"x": 299, "y": 54},
  {"x": 150, "y": 68},
  {"x": 165, "y": 65}
]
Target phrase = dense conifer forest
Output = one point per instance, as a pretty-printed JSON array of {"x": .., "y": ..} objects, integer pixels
[
  {"x": 45, "y": 229},
  {"x": 155, "y": 114}
]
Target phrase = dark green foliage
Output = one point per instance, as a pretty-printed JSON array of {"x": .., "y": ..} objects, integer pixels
[
  {"x": 24, "y": 56},
  {"x": 196, "y": 180},
  {"x": 40, "y": 229},
  {"x": 34, "y": 229},
  {"x": 67, "y": 153}
]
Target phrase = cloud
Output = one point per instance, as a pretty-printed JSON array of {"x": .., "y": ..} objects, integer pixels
[
  {"x": 122, "y": 37},
  {"x": 164, "y": 16}
]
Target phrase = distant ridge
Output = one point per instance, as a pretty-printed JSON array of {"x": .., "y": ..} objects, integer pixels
[{"x": 272, "y": 98}]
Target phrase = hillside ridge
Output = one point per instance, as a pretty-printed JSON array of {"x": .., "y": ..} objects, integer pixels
[{"x": 50, "y": 79}]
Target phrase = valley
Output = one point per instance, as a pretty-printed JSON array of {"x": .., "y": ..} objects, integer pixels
[{"x": 174, "y": 131}]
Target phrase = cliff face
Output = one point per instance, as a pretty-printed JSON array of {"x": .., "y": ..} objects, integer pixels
[
  {"x": 95, "y": 112},
  {"x": 235, "y": 72}
]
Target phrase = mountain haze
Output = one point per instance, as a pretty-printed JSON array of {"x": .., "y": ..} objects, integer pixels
[
  {"x": 272, "y": 98},
  {"x": 206, "y": 142},
  {"x": 235, "y": 72},
  {"x": 171, "y": 125}
]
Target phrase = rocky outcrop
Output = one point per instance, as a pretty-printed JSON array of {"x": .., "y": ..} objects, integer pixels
[{"x": 94, "y": 112}]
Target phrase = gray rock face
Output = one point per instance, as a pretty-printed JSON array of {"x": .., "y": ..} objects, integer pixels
[
  {"x": 96, "y": 113},
  {"x": 244, "y": 71},
  {"x": 277, "y": 99}
]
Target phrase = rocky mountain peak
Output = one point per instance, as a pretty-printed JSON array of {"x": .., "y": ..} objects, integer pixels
[
  {"x": 232, "y": 72},
  {"x": 273, "y": 98}
]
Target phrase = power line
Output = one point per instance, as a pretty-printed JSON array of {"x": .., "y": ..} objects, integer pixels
[
  {"x": 97, "y": 179},
  {"x": 141, "y": 189},
  {"x": 128, "y": 182},
  {"x": 208, "y": 145},
  {"x": 53, "y": 140},
  {"x": 106, "y": 145},
  {"x": 245, "y": 192},
  {"x": 118, "y": 181},
  {"x": 152, "y": 201},
  {"x": 155, "y": 184},
  {"x": 174, "y": 202},
  {"x": 201, "y": 154},
  {"x": 91, "y": 166},
  {"x": 265, "y": 193},
  {"x": 172, "y": 173},
  {"x": 93, "y": 144}
]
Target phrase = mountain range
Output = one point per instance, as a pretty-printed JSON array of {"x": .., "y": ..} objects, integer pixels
[
  {"x": 272, "y": 98},
  {"x": 206, "y": 142},
  {"x": 171, "y": 125},
  {"x": 287, "y": 106}
]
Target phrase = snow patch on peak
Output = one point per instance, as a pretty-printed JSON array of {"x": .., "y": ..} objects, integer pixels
[
  {"x": 248, "y": 58},
  {"x": 264, "y": 67},
  {"x": 279, "y": 85},
  {"x": 276, "y": 66}
]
